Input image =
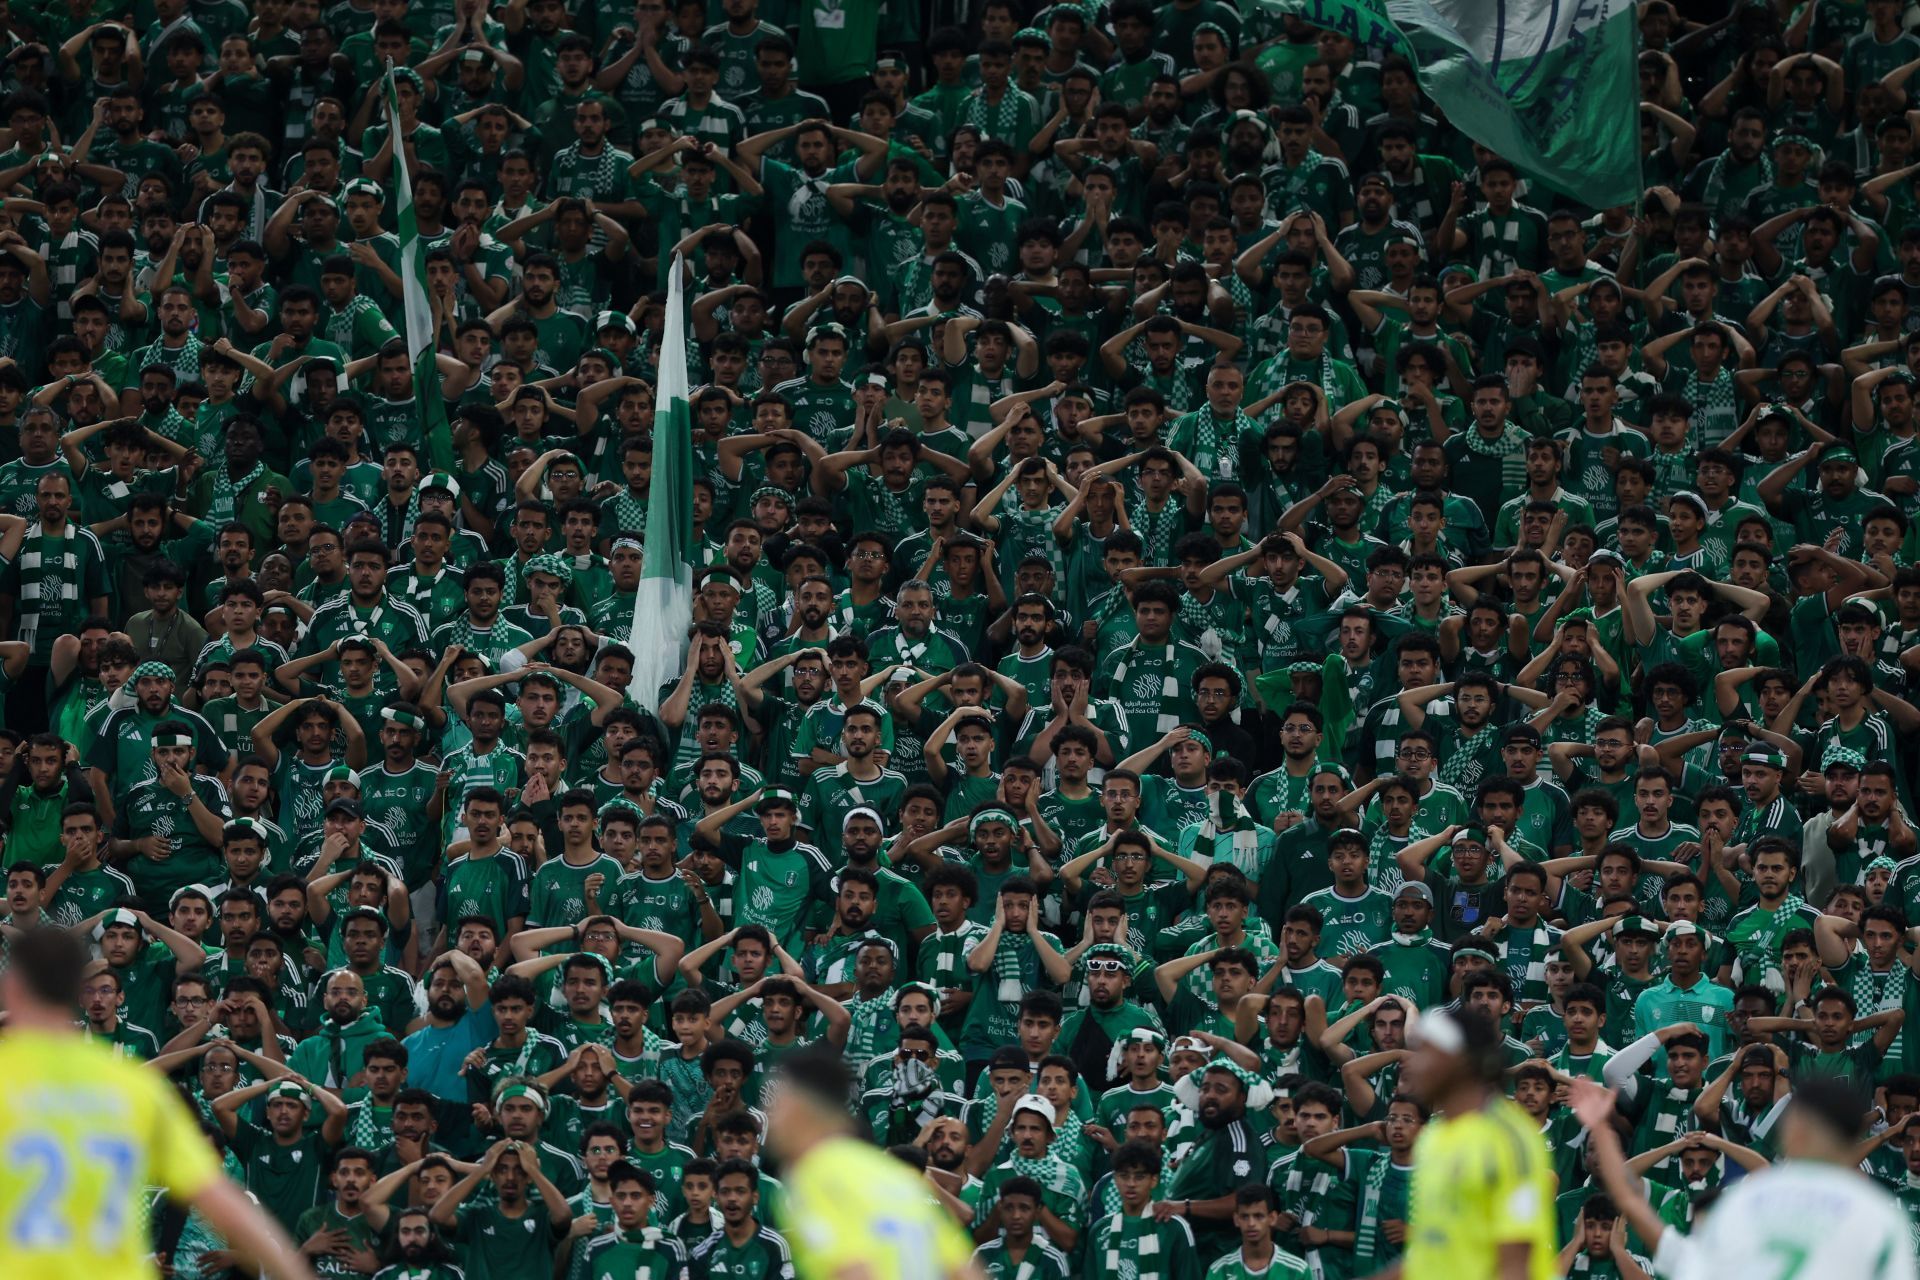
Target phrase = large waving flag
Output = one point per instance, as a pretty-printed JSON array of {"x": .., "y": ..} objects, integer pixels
[
  {"x": 664, "y": 607},
  {"x": 419, "y": 312},
  {"x": 1551, "y": 85}
]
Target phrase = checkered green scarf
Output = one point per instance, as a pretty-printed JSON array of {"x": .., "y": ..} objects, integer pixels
[{"x": 1050, "y": 1171}]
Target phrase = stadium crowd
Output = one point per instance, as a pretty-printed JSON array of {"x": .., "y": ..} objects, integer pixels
[{"x": 1202, "y": 564}]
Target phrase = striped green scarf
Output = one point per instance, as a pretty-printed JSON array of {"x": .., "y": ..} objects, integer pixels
[
  {"x": 1142, "y": 660},
  {"x": 49, "y": 568}
]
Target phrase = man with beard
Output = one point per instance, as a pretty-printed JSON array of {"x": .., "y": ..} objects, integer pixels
[
  {"x": 913, "y": 639},
  {"x": 457, "y": 1023},
  {"x": 1228, "y": 1155},
  {"x": 809, "y": 627},
  {"x": 170, "y": 826},
  {"x": 834, "y": 792},
  {"x": 1363, "y": 243},
  {"x": 900, "y": 909},
  {"x": 1091, "y": 1035},
  {"x": 333, "y": 1054},
  {"x": 481, "y": 630},
  {"x": 799, "y": 194},
  {"x": 340, "y": 1235},
  {"x": 415, "y": 1249},
  {"x": 121, "y": 753},
  {"x": 942, "y": 279},
  {"x": 561, "y": 335},
  {"x": 911, "y": 1095},
  {"x": 176, "y": 347},
  {"x": 879, "y": 213}
]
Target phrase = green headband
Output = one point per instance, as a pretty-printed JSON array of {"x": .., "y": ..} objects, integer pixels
[
  {"x": 990, "y": 815},
  {"x": 172, "y": 739},
  {"x": 402, "y": 717},
  {"x": 517, "y": 1089},
  {"x": 776, "y": 795},
  {"x": 154, "y": 671}
]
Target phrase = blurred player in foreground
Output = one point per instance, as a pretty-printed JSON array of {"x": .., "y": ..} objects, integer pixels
[
  {"x": 852, "y": 1212},
  {"x": 1483, "y": 1186},
  {"x": 85, "y": 1132}
]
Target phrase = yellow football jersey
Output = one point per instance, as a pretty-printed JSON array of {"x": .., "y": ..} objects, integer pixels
[
  {"x": 847, "y": 1202},
  {"x": 84, "y": 1132},
  {"x": 1480, "y": 1181}
]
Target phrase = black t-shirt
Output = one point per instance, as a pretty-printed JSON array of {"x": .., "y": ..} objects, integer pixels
[{"x": 1460, "y": 909}]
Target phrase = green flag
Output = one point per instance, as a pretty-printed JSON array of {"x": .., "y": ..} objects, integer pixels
[
  {"x": 663, "y": 608},
  {"x": 1552, "y": 85},
  {"x": 419, "y": 312}
]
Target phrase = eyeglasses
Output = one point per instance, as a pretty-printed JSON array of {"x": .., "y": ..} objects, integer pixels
[
  {"x": 1415, "y": 753},
  {"x": 918, "y": 1055},
  {"x": 1106, "y": 965}
]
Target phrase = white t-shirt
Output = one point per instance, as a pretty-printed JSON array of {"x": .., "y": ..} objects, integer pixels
[{"x": 1802, "y": 1221}]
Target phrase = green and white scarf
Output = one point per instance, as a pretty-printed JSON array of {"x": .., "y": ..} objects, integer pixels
[
  {"x": 1052, "y": 1173},
  {"x": 1366, "y": 1225},
  {"x": 1241, "y": 844},
  {"x": 1286, "y": 187},
  {"x": 1716, "y": 185},
  {"x": 1010, "y": 969},
  {"x": 1383, "y": 857},
  {"x": 227, "y": 492},
  {"x": 1716, "y": 411},
  {"x": 1215, "y": 445},
  {"x": 49, "y": 576},
  {"x": 364, "y": 1128},
  {"x": 1131, "y": 1247},
  {"x": 997, "y": 119},
  {"x": 1539, "y": 944},
  {"x": 1139, "y": 659},
  {"x": 1509, "y": 448},
  {"x": 1158, "y": 529}
]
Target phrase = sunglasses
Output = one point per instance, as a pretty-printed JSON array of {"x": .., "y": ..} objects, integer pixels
[
  {"x": 918, "y": 1055},
  {"x": 1106, "y": 965}
]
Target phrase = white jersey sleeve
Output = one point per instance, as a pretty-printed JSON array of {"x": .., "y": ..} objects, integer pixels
[{"x": 1802, "y": 1222}]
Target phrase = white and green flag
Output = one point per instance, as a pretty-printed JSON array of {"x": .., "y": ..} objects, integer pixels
[
  {"x": 1551, "y": 85},
  {"x": 664, "y": 607},
  {"x": 421, "y": 344}
]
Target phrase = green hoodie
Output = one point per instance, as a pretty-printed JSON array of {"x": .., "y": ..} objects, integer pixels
[{"x": 332, "y": 1055}]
